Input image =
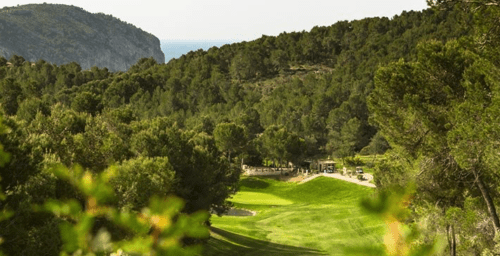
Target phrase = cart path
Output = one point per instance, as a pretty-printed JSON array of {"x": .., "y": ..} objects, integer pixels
[{"x": 366, "y": 182}]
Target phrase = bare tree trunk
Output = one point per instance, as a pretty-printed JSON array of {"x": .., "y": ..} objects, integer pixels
[
  {"x": 448, "y": 237},
  {"x": 452, "y": 243},
  {"x": 488, "y": 200}
]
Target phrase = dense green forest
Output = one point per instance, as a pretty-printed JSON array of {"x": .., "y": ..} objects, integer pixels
[
  {"x": 440, "y": 114},
  {"x": 185, "y": 127}
]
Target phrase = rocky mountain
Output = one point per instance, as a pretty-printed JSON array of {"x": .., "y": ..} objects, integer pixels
[{"x": 61, "y": 34}]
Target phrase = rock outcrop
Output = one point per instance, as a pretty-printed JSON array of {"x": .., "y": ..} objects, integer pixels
[{"x": 61, "y": 34}]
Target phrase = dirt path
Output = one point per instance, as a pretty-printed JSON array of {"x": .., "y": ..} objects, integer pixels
[{"x": 366, "y": 182}]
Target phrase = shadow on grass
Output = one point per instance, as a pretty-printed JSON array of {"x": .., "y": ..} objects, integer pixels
[
  {"x": 253, "y": 183},
  {"x": 234, "y": 244}
]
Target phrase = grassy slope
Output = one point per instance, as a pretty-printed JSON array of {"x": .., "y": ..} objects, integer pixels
[{"x": 318, "y": 217}]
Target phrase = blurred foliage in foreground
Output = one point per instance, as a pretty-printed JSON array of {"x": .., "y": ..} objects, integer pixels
[
  {"x": 402, "y": 238},
  {"x": 156, "y": 230}
]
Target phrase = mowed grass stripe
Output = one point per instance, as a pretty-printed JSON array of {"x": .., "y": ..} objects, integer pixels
[
  {"x": 258, "y": 198},
  {"x": 319, "y": 217}
]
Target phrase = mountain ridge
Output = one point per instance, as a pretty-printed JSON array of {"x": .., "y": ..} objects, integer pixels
[{"x": 61, "y": 34}]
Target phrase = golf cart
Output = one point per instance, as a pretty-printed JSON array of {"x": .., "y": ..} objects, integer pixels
[{"x": 359, "y": 170}]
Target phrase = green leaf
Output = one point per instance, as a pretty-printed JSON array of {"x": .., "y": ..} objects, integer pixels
[
  {"x": 137, "y": 245},
  {"x": 4, "y": 157},
  {"x": 69, "y": 237},
  {"x": 130, "y": 220},
  {"x": 61, "y": 172},
  {"x": 87, "y": 183},
  {"x": 70, "y": 208},
  {"x": 5, "y": 214},
  {"x": 196, "y": 228},
  {"x": 170, "y": 206},
  {"x": 85, "y": 225}
]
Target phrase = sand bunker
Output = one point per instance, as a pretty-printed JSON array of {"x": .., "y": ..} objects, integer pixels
[{"x": 240, "y": 212}]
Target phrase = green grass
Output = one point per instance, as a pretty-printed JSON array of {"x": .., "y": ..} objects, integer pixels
[
  {"x": 257, "y": 198},
  {"x": 320, "y": 217}
]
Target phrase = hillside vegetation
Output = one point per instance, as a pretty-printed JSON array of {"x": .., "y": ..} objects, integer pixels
[
  {"x": 314, "y": 83},
  {"x": 422, "y": 84}
]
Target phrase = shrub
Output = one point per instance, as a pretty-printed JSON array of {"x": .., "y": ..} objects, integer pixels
[
  {"x": 354, "y": 161},
  {"x": 370, "y": 165},
  {"x": 365, "y": 151},
  {"x": 139, "y": 179}
]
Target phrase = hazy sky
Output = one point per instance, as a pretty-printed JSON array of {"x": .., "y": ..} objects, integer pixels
[{"x": 234, "y": 20}]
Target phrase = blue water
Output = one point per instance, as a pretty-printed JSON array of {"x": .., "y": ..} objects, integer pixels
[{"x": 175, "y": 49}]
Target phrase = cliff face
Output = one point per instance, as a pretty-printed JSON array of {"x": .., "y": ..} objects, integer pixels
[{"x": 61, "y": 34}]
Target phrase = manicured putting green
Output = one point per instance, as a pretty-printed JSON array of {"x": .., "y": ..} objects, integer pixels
[{"x": 257, "y": 198}]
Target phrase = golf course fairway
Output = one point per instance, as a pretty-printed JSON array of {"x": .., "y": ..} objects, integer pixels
[{"x": 319, "y": 217}]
